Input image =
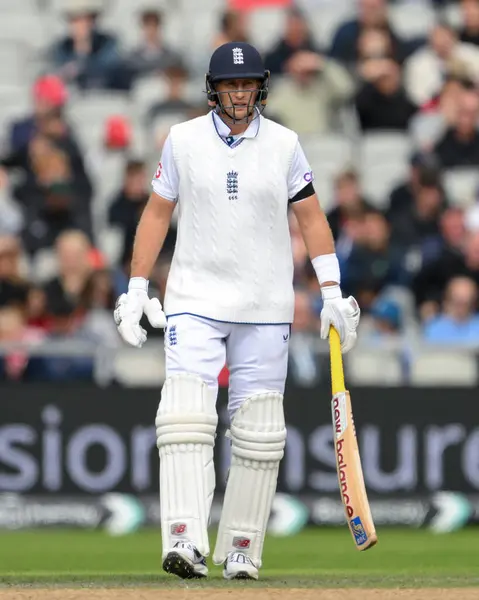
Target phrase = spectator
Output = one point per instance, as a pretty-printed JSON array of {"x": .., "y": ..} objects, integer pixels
[
  {"x": 75, "y": 265},
  {"x": 126, "y": 209},
  {"x": 296, "y": 38},
  {"x": 49, "y": 94},
  {"x": 452, "y": 235},
  {"x": 470, "y": 16},
  {"x": 13, "y": 286},
  {"x": 371, "y": 14},
  {"x": 459, "y": 146},
  {"x": 176, "y": 77},
  {"x": 51, "y": 155},
  {"x": 374, "y": 262},
  {"x": 385, "y": 323},
  {"x": 233, "y": 28},
  {"x": 348, "y": 201},
  {"x": 382, "y": 102},
  {"x": 118, "y": 133},
  {"x": 441, "y": 112},
  {"x": 65, "y": 326},
  {"x": 87, "y": 57},
  {"x": 416, "y": 223},
  {"x": 431, "y": 281},
  {"x": 151, "y": 55},
  {"x": 303, "y": 361},
  {"x": 374, "y": 43},
  {"x": 351, "y": 234},
  {"x": 402, "y": 197},
  {"x": 309, "y": 98},
  {"x": 425, "y": 69},
  {"x": 97, "y": 302},
  {"x": 11, "y": 214},
  {"x": 15, "y": 364},
  {"x": 59, "y": 211},
  {"x": 458, "y": 322}
]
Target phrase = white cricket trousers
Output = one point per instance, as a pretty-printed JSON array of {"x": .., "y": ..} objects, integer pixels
[{"x": 256, "y": 355}]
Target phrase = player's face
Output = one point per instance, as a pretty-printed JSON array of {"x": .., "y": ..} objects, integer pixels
[{"x": 238, "y": 97}]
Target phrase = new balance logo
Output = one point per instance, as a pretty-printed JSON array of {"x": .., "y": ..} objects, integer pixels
[
  {"x": 172, "y": 337},
  {"x": 232, "y": 185},
  {"x": 238, "y": 56}
]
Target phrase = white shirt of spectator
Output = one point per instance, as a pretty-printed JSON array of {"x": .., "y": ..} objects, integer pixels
[
  {"x": 166, "y": 181},
  {"x": 233, "y": 259}
]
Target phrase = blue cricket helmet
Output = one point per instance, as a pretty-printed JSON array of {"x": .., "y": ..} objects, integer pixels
[{"x": 237, "y": 60}]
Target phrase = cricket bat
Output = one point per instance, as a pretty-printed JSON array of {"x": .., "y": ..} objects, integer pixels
[{"x": 348, "y": 461}]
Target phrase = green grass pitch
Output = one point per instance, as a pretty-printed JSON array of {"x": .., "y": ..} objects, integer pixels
[{"x": 326, "y": 557}]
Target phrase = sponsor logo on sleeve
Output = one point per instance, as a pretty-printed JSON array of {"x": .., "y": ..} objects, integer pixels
[
  {"x": 158, "y": 171},
  {"x": 308, "y": 177}
]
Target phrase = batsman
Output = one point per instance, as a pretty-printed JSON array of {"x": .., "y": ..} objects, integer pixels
[{"x": 233, "y": 174}]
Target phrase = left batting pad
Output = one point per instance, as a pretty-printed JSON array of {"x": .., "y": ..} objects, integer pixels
[
  {"x": 185, "y": 430},
  {"x": 258, "y": 436}
]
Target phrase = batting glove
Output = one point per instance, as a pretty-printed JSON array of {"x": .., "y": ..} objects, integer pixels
[
  {"x": 130, "y": 308},
  {"x": 342, "y": 313}
]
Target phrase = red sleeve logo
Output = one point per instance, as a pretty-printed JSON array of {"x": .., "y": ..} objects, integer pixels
[{"x": 158, "y": 171}]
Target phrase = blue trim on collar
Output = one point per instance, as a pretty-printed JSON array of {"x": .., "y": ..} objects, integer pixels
[{"x": 214, "y": 116}]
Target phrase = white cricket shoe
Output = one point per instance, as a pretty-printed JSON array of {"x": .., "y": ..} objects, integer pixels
[
  {"x": 239, "y": 565},
  {"x": 185, "y": 560}
]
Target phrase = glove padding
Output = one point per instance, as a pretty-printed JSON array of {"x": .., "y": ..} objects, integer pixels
[
  {"x": 129, "y": 309},
  {"x": 343, "y": 314}
]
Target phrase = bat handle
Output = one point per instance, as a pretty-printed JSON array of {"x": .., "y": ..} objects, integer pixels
[{"x": 337, "y": 371}]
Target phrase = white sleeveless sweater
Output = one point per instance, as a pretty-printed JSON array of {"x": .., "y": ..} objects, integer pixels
[{"x": 233, "y": 259}]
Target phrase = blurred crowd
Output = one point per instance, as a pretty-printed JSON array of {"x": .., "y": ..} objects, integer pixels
[{"x": 412, "y": 260}]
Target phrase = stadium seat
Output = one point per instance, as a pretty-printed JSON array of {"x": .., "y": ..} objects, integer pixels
[
  {"x": 96, "y": 107},
  {"x": 110, "y": 244},
  {"x": 462, "y": 185},
  {"x": 426, "y": 129},
  {"x": 334, "y": 151},
  {"x": 107, "y": 174},
  {"x": 326, "y": 17},
  {"x": 379, "y": 180},
  {"x": 145, "y": 368},
  {"x": 412, "y": 20},
  {"x": 146, "y": 92},
  {"x": 266, "y": 27},
  {"x": 44, "y": 266},
  {"x": 328, "y": 155},
  {"x": 374, "y": 367},
  {"x": 384, "y": 147},
  {"x": 16, "y": 63},
  {"x": 13, "y": 26},
  {"x": 444, "y": 368}
]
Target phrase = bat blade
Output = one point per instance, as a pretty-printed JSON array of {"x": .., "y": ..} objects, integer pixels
[{"x": 348, "y": 461}]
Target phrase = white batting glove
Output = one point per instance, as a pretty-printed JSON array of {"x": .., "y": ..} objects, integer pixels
[
  {"x": 342, "y": 313},
  {"x": 130, "y": 308}
]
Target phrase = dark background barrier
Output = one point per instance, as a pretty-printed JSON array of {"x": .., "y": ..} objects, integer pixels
[{"x": 76, "y": 439}]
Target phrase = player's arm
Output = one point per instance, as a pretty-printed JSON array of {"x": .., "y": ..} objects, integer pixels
[
  {"x": 316, "y": 233},
  {"x": 149, "y": 239},
  {"x": 342, "y": 313},
  {"x": 156, "y": 218},
  {"x": 150, "y": 235}
]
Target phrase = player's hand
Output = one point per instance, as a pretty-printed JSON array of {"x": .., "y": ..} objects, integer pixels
[
  {"x": 342, "y": 313},
  {"x": 130, "y": 308}
]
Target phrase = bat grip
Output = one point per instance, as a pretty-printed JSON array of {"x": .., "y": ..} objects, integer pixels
[{"x": 337, "y": 372}]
